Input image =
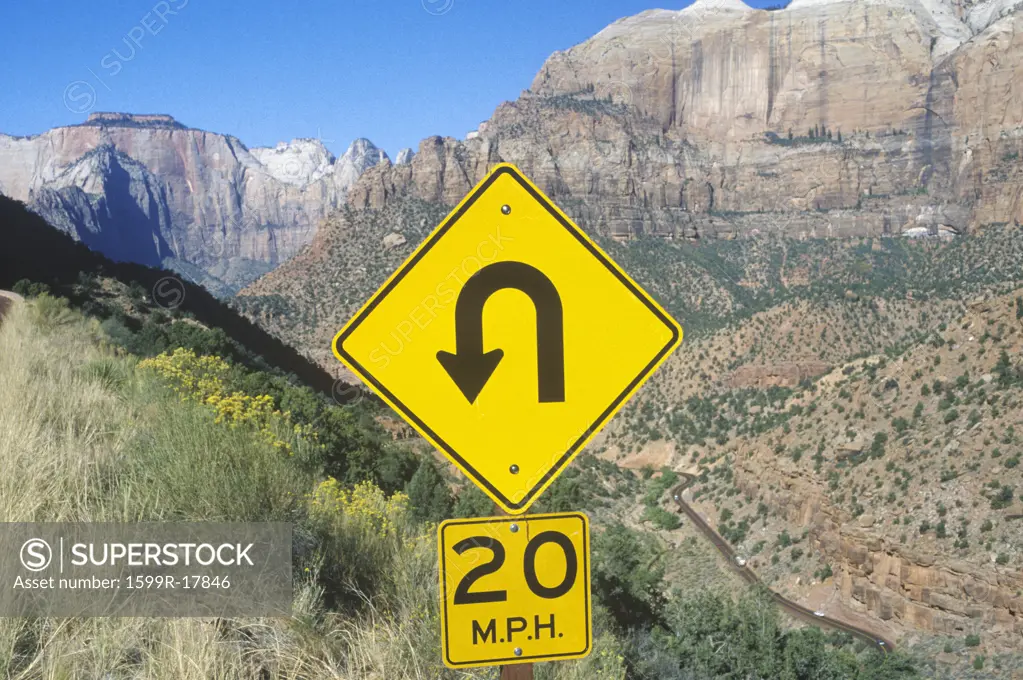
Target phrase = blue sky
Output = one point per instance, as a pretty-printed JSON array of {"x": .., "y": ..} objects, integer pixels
[{"x": 393, "y": 71}]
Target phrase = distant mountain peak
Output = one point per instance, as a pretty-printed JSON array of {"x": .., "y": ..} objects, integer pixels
[
  {"x": 361, "y": 146},
  {"x": 404, "y": 156},
  {"x": 364, "y": 153}
]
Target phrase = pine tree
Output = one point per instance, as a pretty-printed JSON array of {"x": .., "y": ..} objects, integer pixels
[
  {"x": 839, "y": 136},
  {"x": 472, "y": 502},
  {"x": 1004, "y": 370},
  {"x": 429, "y": 497},
  {"x": 790, "y": 134},
  {"x": 829, "y": 135}
]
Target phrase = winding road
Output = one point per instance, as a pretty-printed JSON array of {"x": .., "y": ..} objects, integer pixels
[{"x": 790, "y": 607}]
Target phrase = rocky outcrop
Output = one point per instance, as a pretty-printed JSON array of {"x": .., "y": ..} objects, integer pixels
[
  {"x": 827, "y": 118},
  {"x": 787, "y": 374},
  {"x": 732, "y": 74},
  {"x": 897, "y": 583},
  {"x": 148, "y": 189},
  {"x": 111, "y": 203},
  {"x": 140, "y": 120}
]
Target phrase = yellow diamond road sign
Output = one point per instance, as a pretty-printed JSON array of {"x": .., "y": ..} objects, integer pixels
[
  {"x": 508, "y": 339},
  {"x": 515, "y": 589}
]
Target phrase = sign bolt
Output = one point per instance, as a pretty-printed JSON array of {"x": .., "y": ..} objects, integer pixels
[
  {"x": 514, "y": 469},
  {"x": 518, "y": 651},
  {"x": 514, "y": 528},
  {"x": 506, "y": 209}
]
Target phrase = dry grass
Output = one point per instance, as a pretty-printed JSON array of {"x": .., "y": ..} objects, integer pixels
[{"x": 84, "y": 436}]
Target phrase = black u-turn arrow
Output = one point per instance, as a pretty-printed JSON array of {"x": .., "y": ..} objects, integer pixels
[{"x": 470, "y": 367}]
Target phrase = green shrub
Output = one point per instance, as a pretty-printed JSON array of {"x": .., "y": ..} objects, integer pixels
[
  {"x": 661, "y": 518},
  {"x": 30, "y": 289},
  {"x": 1003, "y": 498},
  {"x": 625, "y": 580},
  {"x": 428, "y": 494},
  {"x": 877, "y": 446},
  {"x": 471, "y": 502}
]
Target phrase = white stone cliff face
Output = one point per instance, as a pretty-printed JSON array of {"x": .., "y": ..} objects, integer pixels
[
  {"x": 300, "y": 162},
  {"x": 210, "y": 199},
  {"x": 828, "y": 118},
  {"x": 986, "y": 13}
]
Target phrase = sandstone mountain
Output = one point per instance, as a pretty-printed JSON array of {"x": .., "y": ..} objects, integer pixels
[
  {"x": 147, "y": 189},
  {"x": 826, "y": 118}
]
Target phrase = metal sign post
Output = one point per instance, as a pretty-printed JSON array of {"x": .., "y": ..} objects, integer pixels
[
  {"x": 519, "y": 671},
  {"x": 515, "y": 671}
]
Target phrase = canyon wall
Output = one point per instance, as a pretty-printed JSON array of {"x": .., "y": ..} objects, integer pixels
[{"x": 823, "y": 119}]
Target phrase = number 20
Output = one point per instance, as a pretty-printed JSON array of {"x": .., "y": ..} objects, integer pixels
[{"x": 464, "y": 596}]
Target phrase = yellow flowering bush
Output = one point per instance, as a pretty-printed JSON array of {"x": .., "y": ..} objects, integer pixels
[
  {"x": 202, "y": 379},
  {"x": 608, "y": 662},
  {"x": 191, "y": 376},
  {"x": 364, "y": 538},
  {"x": 365, "y": 506}
]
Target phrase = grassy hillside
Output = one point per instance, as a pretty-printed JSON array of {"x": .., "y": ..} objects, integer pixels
[
  {"x": 137, "y": 443},
  {"x": 126, "y": 447}
]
